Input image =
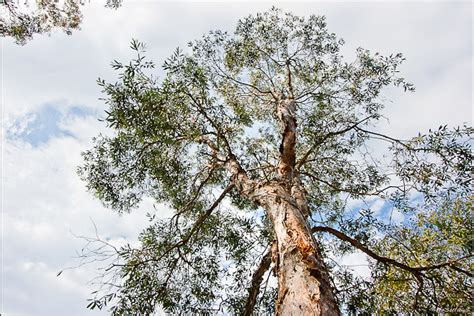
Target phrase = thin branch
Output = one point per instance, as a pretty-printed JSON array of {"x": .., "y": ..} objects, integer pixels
[
  {"x": 195, "y": 228},
  {"x": 385, "y": 137},
  {"x": 458, "y": 269},
  {"x": 224, "y": 74},
  {"x": 197, "y": 225},
  {"x": 190, "y": 203},
  {"x": 326, "y": 137},
  {"x": 349, "y": 190}
]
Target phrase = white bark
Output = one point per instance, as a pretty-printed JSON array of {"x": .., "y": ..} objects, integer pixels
[{"x": 303, "y": 280}]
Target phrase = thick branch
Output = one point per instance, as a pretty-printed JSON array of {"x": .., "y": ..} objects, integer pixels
[
  {"x": 256, "y": 282},
  {"x": 417, "y": 271},
  {"x": 240, "y": 178},
  {"x": 288, "y": 79}
]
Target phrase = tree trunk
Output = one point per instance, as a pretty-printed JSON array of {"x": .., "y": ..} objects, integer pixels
[{"x": 304, "y": 286}]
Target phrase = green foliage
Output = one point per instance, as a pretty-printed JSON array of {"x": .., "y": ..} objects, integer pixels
[
  {"x": 438, "y": 236},
  {"x": 21, "y": 21},
  {"x": 433, "y": 236}
]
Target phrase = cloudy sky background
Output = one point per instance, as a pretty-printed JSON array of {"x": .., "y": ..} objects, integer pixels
[{"x": 50, "y": 112}]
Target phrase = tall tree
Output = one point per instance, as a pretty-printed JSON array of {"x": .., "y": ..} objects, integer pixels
[
  {"x": 258, "y": 141},
  {"x": 21, "y": 20}
]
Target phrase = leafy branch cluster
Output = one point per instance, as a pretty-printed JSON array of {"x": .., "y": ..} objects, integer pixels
[{"x": 21, "y": 20}]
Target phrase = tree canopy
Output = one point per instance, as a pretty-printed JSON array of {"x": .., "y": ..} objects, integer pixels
[
  {"x": 274, "y": 106},
  {"x": 22, "y": 20}
]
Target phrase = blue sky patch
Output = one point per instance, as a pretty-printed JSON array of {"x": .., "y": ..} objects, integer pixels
[{"x": 40, "y": 127}]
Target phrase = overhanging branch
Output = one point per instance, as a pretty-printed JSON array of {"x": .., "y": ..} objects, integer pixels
[{"x": 416, "y": 271}]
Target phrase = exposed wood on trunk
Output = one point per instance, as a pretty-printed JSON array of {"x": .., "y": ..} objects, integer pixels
[{"x": 303, "y": 280}]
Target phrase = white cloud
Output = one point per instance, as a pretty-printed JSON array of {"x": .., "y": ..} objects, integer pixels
[
  {"x": 377, "y": 206},
  {"x": 396, "y": 216},
  {"x": 357, "y": 262},
  {"x": 44, "y": 205}
]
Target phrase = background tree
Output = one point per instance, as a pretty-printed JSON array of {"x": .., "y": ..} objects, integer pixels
[
  {"x": 20, "y": 20},
  {"x": 258, "y": 141}
]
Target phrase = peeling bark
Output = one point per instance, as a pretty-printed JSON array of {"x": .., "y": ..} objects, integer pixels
[{"x": 303, "y": 280}]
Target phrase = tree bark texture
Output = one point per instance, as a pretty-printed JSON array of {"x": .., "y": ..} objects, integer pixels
[
  {"x": 303, "y": 280},
  {"x": 286, "y": 119}
]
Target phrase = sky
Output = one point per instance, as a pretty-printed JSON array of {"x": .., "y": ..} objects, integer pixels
[{"x": 51, "y": 110}]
